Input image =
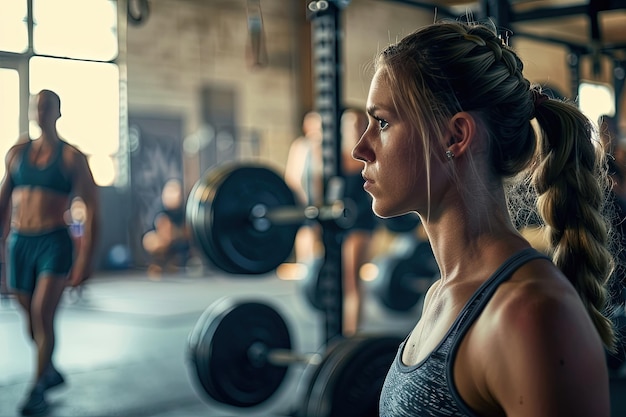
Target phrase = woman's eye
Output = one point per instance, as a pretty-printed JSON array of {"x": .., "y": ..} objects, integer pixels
[{"x": 382, "y": 123}]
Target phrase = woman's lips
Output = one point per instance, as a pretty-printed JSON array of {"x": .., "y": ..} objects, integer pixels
[{"x": 368, "y": 182}]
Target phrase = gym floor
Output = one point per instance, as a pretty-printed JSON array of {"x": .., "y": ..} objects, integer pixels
[{"x": 122, "y": 345}]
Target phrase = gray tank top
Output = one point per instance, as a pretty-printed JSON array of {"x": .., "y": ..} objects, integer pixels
[{"x": 427, "y": 389}]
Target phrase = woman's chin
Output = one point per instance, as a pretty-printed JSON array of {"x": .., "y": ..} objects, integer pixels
[{"x": 388, "y": 214}]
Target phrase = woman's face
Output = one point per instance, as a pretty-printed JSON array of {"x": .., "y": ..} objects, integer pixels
[
  {"x": 394, "y": 157},
  {"x": 47, "y": 110}
]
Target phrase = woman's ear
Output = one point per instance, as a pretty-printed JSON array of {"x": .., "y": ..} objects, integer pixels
[{"x": 462, "y": 132}]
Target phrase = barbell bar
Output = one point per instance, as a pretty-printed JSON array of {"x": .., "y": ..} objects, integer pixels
[
  {"x": 259, "y": 353},
  {"x": 263, "y": 217}
]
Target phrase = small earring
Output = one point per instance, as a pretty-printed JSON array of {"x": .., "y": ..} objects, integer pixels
[{"x": 449, "y": 155}]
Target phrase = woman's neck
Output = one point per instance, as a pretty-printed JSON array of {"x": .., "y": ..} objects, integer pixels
[{"x": 469, "y": 235}]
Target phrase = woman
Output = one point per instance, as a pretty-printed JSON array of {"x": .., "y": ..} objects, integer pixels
[
  {"x": 505, "y": 331},
  {"x": 42, "y": 175}
]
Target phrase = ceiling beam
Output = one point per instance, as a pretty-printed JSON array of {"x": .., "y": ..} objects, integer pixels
[
  {"x": 430, "y": 6},
  {"x": 594, "y": 6}
]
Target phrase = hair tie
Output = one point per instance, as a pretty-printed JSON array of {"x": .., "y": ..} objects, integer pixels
[{"x": 539, "y": 98}]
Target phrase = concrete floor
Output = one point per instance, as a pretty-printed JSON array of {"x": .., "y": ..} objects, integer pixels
[{"x": 123, "y": 345}]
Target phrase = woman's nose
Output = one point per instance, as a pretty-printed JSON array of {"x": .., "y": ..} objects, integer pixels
[{"x": 360, "y": 152}]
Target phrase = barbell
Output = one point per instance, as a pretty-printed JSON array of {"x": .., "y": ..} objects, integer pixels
[
  {"x": 240, "y": 352},
  {"x": 245, "y": 218}
]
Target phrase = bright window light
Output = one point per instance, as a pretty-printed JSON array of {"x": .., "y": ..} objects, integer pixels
[
  {"x": 13, "y": 26},
  {"x": 10, "y": 114},
  {"x": 595, "y": 100},
  {"x": 102, "y": 167},
  {"x": 84, "y": 29},
  {"x": 90, "y": 111}
]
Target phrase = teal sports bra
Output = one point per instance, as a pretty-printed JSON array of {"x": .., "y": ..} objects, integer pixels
[{"x": 51, "y": 177}]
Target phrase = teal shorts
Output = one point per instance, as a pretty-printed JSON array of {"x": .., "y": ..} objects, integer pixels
[{"x": 32, "y": 255}]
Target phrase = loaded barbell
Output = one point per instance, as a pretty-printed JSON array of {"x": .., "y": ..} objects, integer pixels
[
  {"x": 245, "y": 218},
  {"x": 240, "y": 353}
]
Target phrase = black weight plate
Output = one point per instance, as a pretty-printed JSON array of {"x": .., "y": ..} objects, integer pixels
[
  {"x": 232, "y": 234},
  {"x": 199, "y": 219},
  {"x": 193, "y": 210},
  {"x": 405, "y": 281},
  {"x": 334, "y": 350},
  {"x": 349, "y": 379},
  {"x": 207, "y": 222},
  {"x": 197, "y": 359},
  {"x": 222, "y": 221},
  {"x": 220, "y": 346}
]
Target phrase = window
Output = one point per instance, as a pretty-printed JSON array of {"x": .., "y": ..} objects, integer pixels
[
  {"x": 73, "y": 52},
  {"x": 89, "y": 93},
  {"x": 10, "y": 114},
  {"x": 595, "y": 100},
  {"x": 13, "y": 26},
  {"x": 80, "y": 29}
]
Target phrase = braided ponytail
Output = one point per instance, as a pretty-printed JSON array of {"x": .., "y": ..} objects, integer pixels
[{"x": 571, "y": 183}]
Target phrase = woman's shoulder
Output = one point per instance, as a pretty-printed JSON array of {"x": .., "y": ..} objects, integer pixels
[
  {"x": 537, "y": 328},
  {"x": 536, "y": 289},
  {"x": 72, "y": 155},
  {"x": 537, "y": 308},
  {"x": 16, "y": 150}
]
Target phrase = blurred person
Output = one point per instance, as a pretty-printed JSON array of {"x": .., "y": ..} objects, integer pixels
[
  {"x": 506, "y": 330},
  {"x": 304, "y": 176},
  {"x": 169, "y": 242},
  {"x": 356, "y": 241},
  {"x": 40, "y": 179}
]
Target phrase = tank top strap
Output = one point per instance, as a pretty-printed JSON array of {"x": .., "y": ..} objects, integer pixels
[
  {"x": 481, "y": 297},
  {"x": 26, "y": 150}
]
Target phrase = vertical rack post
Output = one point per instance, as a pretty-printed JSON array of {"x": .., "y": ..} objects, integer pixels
[{"x": 326, "y": 38}]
